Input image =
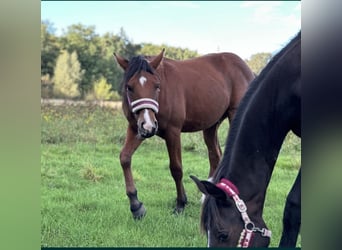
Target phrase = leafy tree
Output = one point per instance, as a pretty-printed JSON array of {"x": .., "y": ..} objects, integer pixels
[
  {"x": 85, "y": 42},
  {"x": 258, "y": 61},
  {"x": 95, "y": 54},
  {"x": 50, "y": 49},
  {"x": 68, "y": 75},
  {"x": 129, "y": 48},
  {"x": 110, "y": 43},
  {"x": 171, "y": 52}
]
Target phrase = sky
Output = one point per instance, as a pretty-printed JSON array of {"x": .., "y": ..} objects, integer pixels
[{"x": 242, "y": 27}]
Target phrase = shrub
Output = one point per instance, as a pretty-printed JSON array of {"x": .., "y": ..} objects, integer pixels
[{"x": 102, "y": 90}]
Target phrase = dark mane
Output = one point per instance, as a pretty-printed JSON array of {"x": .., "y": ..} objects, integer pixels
[
  {"x": 136, "y": 65},
  {"x": 210, "y": 208},
  {"x": 222, "y": 169}
]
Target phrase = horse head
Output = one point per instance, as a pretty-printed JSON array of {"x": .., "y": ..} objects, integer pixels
[
  {"x": 225, "y": 218},
  {"x": 142, "y": 87}
]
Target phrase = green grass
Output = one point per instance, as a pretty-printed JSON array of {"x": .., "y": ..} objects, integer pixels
[{"x": 83, "y": 192}]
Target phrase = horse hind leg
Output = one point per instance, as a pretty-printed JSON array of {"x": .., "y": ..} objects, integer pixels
[
  {"x": 213, "y": 146},
  {"x": 131, "y": 144},
  {"x": 292, "y": 215}
]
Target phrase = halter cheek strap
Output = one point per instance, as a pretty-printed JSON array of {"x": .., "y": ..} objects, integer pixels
[{"x": 247, "y": 233}]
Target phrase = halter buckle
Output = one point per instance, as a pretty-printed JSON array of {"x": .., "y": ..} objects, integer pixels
[{"x": 241, "y": 206}]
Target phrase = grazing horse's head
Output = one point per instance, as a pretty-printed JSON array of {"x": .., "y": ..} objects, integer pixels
[
  {"x": 142, "y": 87},
  {"x": 225, "y": 218}
]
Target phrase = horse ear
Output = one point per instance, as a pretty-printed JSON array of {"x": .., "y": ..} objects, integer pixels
[
  {"x": 156, "y": 61},
  {"x": 121, "y": 61},
  {"x": 209, "y": 188}
]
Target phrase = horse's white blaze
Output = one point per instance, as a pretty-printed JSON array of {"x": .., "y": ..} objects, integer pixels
[
  {"x": 148, "y": 125},
  {"x": 142, "y": 80}
]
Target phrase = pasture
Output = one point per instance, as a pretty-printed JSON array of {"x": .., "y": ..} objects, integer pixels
[{"x": 83, "y": 200}]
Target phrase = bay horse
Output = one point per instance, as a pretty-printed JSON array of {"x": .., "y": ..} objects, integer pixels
[
  {"x": 165, "y": 97},
  {"x": 231, "y": 213}
]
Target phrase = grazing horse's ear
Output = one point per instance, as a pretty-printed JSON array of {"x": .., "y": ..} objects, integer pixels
[
  {"x": 121, "y": 61},
  {"x": 209, "y": 188},
  {"x": 156, "y": 61}
]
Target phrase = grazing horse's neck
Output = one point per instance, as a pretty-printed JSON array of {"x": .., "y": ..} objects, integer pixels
[
  {"x": 252, "y": 160},
  {"x": 249, "y": 160}
]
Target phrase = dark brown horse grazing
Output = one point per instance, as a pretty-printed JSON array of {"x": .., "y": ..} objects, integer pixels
[
  {"x": 166, "y": 97},
  {"x": 233, "y": 207}
]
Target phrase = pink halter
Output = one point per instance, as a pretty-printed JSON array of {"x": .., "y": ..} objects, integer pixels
[{"x": 249, "y": 230}]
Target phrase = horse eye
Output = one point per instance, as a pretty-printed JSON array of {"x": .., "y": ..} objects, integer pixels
[
  {"x": 129, "y": 88},
  {"x": 223, "y": 236}
]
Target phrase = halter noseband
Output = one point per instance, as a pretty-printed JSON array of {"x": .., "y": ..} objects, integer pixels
[
  {"x": 144, "y": 103},
  {"x": 249, "y": 230}
]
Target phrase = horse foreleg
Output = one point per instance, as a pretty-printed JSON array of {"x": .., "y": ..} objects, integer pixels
[
  {"x": 292, "y": 215},
  {"x": 173, "y": 143},
  {"x": 131, "y": 144},
  {"x": 213, "y": 146}
]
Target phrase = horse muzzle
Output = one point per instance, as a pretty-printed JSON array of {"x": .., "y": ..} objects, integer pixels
[{"x": 147, "y": 123}]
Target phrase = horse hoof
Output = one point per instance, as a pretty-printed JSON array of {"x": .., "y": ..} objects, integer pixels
[{"x": 139, "y": 213}]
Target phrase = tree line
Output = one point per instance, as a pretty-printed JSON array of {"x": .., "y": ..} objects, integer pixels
[{"x": 79, "y": 64}]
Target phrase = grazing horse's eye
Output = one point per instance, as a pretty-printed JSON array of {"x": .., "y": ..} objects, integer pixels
[{"x": 223, "y": 236}]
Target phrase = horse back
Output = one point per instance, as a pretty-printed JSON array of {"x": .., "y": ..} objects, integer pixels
[{"x": 200, "y": 91}]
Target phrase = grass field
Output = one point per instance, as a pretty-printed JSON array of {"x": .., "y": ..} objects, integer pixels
[{"x": 83, "y": 200}]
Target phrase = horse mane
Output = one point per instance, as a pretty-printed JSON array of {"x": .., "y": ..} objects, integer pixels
[
  {"x": 210, "y": 208},
  {"x": 136, "y": 65},
  {"x": 222, "y": 168}
]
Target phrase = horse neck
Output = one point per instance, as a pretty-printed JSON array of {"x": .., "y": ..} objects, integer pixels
[
  {"x": 258, "y": 140},
  {"x": 255, "y": 140},
  {"x": 253, "y": 160}
]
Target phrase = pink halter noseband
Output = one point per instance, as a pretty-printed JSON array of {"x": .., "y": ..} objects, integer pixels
[{"x": 143, "y": 103}]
